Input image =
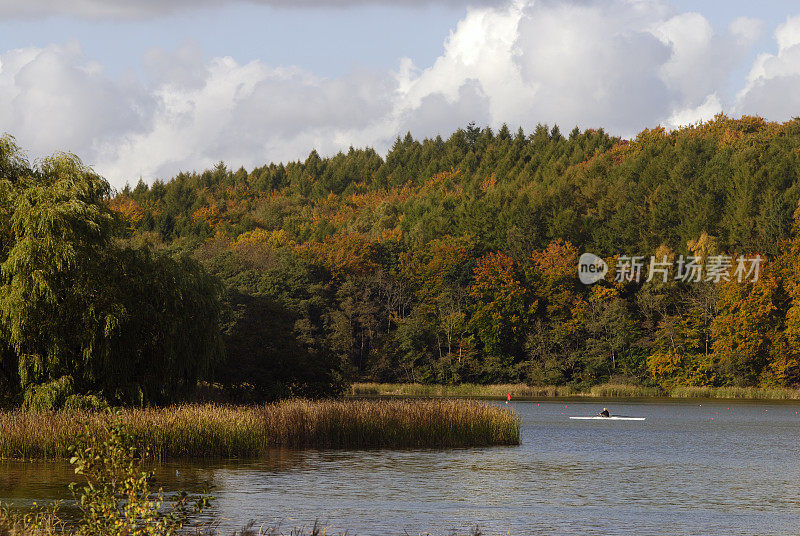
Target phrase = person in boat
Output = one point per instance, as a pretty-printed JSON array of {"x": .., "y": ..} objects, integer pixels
[{"x": 605, "y": 413}]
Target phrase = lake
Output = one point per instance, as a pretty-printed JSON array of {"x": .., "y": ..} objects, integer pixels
[{"x": 693, "y": 467}]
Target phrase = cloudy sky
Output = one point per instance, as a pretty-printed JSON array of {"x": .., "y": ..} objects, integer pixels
[{"x": 152, "y": 87}]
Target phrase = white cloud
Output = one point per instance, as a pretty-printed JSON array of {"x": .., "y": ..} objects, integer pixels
[
  {"x": 690, "y": 116},
  {"x": 54, "y": 99},
  {"x": 436, "y": 113},
  {"x": 746, "y": 29},
  {"x": 248, "y": 115},
  {"x": 772, "y": 83},
  {"x": 183, "y": 67},
  {"x": 478, "y": 66},
  {"x": 701, "y": 62},
  {"x": 619, "y": 64},
  {"x": 593, "y": 64},
  {"x": 788, "y": 34}
]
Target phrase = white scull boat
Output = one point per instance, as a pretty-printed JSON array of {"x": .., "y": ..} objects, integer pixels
[{"x": 612, "y": 418}]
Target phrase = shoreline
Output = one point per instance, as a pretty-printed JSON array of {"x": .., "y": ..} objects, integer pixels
[{"x": 522, "y": 391}]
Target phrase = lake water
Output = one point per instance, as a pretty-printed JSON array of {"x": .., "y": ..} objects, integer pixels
[{"x": 693, "y": 467}]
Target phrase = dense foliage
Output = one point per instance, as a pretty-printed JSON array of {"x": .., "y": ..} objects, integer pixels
[
  {"x": 456, "y": 260},
  {"x": 83, "y": 311}
]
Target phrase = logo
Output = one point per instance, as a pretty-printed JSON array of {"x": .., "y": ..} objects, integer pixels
[
  {"x": 591, "y": 268},
  {"x": 687, "y": 269}
]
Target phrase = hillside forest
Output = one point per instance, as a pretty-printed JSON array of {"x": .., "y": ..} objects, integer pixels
[{"x": 447, "y": 260}]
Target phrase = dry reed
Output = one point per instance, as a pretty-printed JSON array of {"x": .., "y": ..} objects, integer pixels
[
  {"x": 223, "y": 431},
  {"x": 606, "y": 390}
]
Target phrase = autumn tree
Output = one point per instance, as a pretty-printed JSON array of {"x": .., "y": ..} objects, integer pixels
[
  {"x": 554, "y": 343},
  {"x": 502, "y": 308},
  {"x": 438, "y": 273},
  {"x": 749, "y": 343},
  {"x": 786, "y": 364},
  {"x": 610, "y": 332}
]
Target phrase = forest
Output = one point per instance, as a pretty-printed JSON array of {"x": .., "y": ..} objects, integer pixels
[{"x": 446, "y": 261}]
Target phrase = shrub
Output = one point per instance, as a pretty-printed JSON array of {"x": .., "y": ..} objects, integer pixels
[
  {"x": 48, "y": 396},
  {"x": 85, "y": 403},
  {"x": 116, "y": 499}
]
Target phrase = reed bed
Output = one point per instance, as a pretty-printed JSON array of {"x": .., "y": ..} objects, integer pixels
[
  {"x": 500, "y": 391},
  {"x": 606, "y": 390},
  {"x": 625, "y": 390},
  {"x": 745, "y": 393},
  {"x": 222, "y": 431},
  {"x": 464, "y": 390}
]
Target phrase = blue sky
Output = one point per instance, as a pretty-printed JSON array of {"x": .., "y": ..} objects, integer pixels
[
  {"x": 150, "y": 88},
  {"x": 328, "y": 41}
]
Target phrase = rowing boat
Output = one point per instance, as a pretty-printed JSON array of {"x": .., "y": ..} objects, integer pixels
[{"x": 612, "y": 418}]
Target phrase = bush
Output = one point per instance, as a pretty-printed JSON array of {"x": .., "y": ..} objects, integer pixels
[
  {"x": 49, "y": 396},
  {"x": 85, "y": 403},
  {"x": 59, "y": 394},
  {"x": 117, "y": 500}
]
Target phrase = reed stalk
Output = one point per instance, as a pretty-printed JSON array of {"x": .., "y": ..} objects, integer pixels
[{"x": 224, "y": 431}]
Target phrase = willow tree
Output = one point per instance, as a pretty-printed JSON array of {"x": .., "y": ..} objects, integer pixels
[
  {"x": 75, "y": 303},
  {"x": 166, "y": 335},
  {"x": 49, "y": 303},
  {"x": 12, "y": 165}
]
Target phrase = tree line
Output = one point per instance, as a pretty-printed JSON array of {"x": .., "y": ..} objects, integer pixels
[{"x": 452, "y": 260}]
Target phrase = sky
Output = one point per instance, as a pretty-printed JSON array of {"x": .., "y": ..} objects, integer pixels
[{"x": 149, "y": 88}]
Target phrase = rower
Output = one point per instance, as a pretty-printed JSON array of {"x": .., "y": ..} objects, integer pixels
[{"x": 605, "y": 413}]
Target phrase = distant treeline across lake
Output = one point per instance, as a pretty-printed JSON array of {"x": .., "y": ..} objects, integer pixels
[{"x": 446, "y": 261}]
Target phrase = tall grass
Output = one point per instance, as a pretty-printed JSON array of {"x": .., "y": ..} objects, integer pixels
[
  {"x": 464, "y": 390},
  {"x": 624, "y": 390},
  {"x": 746, "y": 393},
  {"x": 234, "y": 431},
  {"x": 499, "y": 391},
  {"x": 606, "y": 390}
]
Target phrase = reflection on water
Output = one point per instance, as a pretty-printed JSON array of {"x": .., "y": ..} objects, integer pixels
[{"x": 693, "y": 467}]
